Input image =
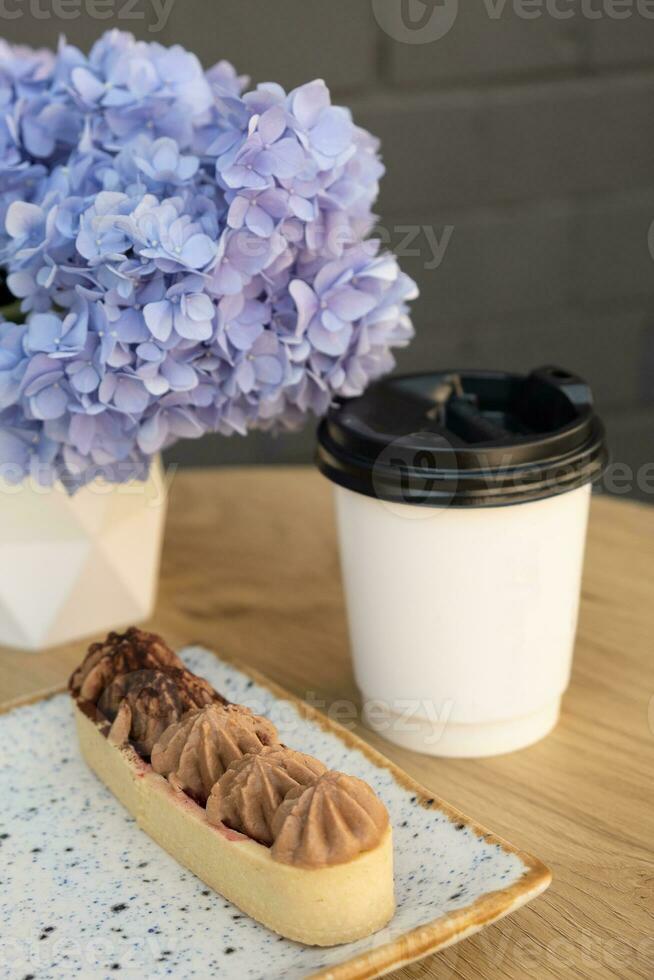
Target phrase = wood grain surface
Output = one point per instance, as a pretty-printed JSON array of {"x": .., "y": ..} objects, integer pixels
[{"x": 250, "y": 568}]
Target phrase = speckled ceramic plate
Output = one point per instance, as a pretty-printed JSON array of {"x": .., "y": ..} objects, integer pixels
[{"x": 84, "y": 893}]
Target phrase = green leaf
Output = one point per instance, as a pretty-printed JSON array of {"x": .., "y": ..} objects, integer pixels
[{"x": 13, "y": 312}]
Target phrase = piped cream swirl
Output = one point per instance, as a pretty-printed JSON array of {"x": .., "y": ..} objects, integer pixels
[
  {"x": 329, "y": 822},
  {"x": 195, "y": 752},
  {"x": 142, "y": 705},
  {"x": 119, "y": 654},
  {"x": 248, "y": 795}
]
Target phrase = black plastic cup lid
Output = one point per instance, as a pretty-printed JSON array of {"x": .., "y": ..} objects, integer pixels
[{"x": 465, "y": 438}]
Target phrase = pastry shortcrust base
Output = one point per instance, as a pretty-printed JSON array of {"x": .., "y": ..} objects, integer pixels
[{"x": 319, "y": 907}]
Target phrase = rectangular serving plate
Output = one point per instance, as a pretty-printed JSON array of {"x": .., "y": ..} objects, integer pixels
[{"x": 453, "y": 877}]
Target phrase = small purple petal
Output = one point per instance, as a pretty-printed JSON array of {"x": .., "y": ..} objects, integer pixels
[
  {"x": 238, "y": 210},
  {"x": 159, "y": 319},
  {"x": 152, "y": 434},
  {"x": 272, "y": 124},
  {"x": 306, "y": 303},
  {"x": 50, "y": 403},
  {"x": 332, "y": 134},
  {"x": 284, "y": 159},
  {"x": 130, "y": 396},
  {"x": 23, "y": 219},
  {"x": 198, "y": 252},
  {"x": 86, "y": 380},
  {"x": 181, "y": 377},
  {"x": 89, "y": 87},
  {"x": 309, "y": 101},
  {"x": 243, "y": 335},
  {"x": 268, "y": 369},
  {"x": 260, "y": 222},
  {"x": 149, "y": 352},
  {"x": 199, "y": 307},
  {"x": 351, "y": 304},
  {"x": 330, "y": 342}
]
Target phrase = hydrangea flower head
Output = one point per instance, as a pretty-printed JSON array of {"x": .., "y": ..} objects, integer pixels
[{"x": 190, "y": 257}]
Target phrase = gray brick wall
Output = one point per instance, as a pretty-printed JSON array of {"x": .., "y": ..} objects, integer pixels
[
  {"x": 532, "y": 138},
  {"x": 479, "y": 47}
]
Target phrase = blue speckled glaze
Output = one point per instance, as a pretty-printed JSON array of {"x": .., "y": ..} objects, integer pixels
[{"x": 84, "y": 893}]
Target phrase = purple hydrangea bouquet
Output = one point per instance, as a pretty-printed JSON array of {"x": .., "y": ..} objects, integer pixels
[
  {"x": 184, "y": 257},
  {"x": 188, "y": 257}
]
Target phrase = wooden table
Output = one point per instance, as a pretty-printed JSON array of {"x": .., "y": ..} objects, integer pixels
[{"x": 250, "y": 568}]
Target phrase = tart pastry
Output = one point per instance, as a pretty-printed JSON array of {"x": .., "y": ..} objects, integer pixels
[{"x": 305, "y": 850}]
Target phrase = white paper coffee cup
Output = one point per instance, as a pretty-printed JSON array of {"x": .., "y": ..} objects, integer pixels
[{"x": 463, "y": 606}]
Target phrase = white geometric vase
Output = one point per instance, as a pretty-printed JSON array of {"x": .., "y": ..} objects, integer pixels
[{"x": 72, "y": 567}]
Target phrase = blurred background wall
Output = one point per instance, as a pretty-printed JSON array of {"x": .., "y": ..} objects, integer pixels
[{"x": 518, "y": 138}]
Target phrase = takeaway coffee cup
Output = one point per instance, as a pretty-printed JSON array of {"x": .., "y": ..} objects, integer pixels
[{"x": 462, "y": 502}]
